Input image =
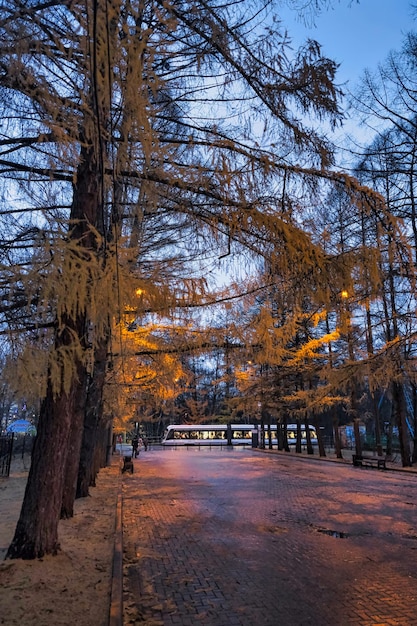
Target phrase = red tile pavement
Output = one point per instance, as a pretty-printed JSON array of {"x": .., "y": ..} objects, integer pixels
[{"x": 244, "y": 538}]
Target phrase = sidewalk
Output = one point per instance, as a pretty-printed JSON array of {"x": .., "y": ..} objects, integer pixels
[
  {"x": 393, "y": 465},
  {"x": 164, "y": 573},
  {"x": 73, "y": 587},
  {"x": 244, "y": 538}
]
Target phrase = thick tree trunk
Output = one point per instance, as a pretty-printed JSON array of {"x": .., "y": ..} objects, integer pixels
[
  {"x": 357, "y": 434},
  {"x": 280, "y": 435},
  {"x": 87, "y": 469},
  {"x": 377, "y": 421},
  {"x": 336, "y": 434},
  {"x": 298, "y": 440},
  {"x": 310, "y": 449},
  {"x": 414, "y": 452},
  {"x": 101, "y": 447},
  {"x": 74, "y": 447},
  {"x": 269, "y": 430},
  {"x": 399, "y": 408},
  {"x": 285, "y": 434},
  {"x": 322, "y": 450},
  {"x": 390, "y": 432},
  {"x": 37, "y": 529},
  {"x": 262, "y": 431},
  {"x": 36, "y": 532}
]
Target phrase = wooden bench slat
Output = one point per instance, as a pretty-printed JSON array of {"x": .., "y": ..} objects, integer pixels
[{"x": 369, "y": 461}]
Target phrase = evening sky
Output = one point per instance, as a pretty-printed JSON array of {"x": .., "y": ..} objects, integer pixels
[{"x": 358, "y": 36}]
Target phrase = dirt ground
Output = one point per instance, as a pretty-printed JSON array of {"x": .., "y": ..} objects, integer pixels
[{"x": 73, "y": 587}]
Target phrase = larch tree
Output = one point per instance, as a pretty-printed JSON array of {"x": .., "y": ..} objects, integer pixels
[
  {"x": 386, "y": 101},
  {"x": 130, "y": 159},
  {"x": 390, "y": 325}
]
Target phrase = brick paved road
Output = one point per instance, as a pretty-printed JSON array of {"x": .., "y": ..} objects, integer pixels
[{"x": 240, "y": 538}]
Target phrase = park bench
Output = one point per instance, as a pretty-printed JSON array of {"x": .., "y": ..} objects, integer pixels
[{"x": 369, "y": 461}]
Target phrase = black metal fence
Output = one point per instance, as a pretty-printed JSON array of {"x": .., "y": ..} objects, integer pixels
[
  {"x": 22, "y": 445},
  {"x": 6, "y": 451},
  {"x": 12, "y": 447}
]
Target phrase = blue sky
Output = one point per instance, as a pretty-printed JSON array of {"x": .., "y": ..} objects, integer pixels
[{"x": 358, "y": 36}]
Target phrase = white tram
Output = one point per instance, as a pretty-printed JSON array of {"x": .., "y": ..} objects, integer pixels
[{"x": 239, "y": 434}]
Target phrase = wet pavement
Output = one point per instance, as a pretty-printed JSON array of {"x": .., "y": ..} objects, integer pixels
[{"x": 243, "y": 538}]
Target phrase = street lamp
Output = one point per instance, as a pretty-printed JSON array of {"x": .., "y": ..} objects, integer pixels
[{"x": 348, "y": 324}]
